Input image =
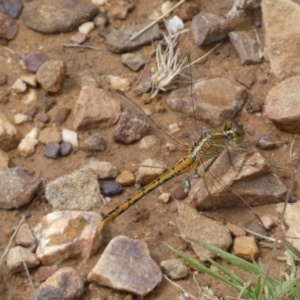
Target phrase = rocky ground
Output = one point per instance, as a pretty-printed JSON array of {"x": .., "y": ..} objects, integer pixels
[{"x": 72, "y": 148}]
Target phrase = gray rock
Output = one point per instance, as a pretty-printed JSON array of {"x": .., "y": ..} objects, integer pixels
[
  {"x": 34, "y": 60},
  {"x": 13, "y": 8},
  {"x": 266, "y": 142},
  {"x": 246, "y": 47},
  {"x": 57, "y": 16},
  {"x": 8, "y": 134},
  {"x": 17, "y": 186},
  {"x": 284, "y": 95},
  {"x": 174, "y": 268},
  {"x": 24, "y": 236},
  {"x": 215, "y": 100},
  {"x": 95, "y": 108},
  {"x": 126, "y": 265},
  {"x": 208, "y": 28},
  {"x": 51, "y": 74},
  {"x": 77, "y": 191},
  {"x": 118, "y": 41},
  {"x": 44, "y": 118},
  {"x": 8, "y": 27},
  {"x": 193, "y": 224},
  {"x": 52, "y": 150},
  {"x": 94, "y": 143},
  {"x": 65, "y": 284},
  {"x": 131, "y": 127},
  {"x": 65, "y": 148},
  {"x": 134, "y": 61},
  {"x": 3, "y": 78},
  {"x": 246, "y": 177},
  {"x": 282, "y": 37},
  {"x": 17, "y": 255},
  {"x": 111, "y": 188}
]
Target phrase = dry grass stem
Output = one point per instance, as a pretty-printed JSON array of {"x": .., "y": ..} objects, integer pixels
[{"x": 156, "y": 20}]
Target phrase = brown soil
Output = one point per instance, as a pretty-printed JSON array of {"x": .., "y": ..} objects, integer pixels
[{"x": 149, "y": 220}]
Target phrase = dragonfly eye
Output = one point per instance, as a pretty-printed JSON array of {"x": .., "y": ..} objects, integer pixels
[{"x": 235, "y": 131}]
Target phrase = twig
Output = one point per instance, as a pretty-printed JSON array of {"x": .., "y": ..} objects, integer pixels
[
  {"x": 156, "y": 21},
  {"x": 29, "y": 277},
  {"x": 20, "y": 223},
  {"x": 8, "y": 49},
  {"x": 202, "y": 57},
  {"x": 83, "y": 46}
]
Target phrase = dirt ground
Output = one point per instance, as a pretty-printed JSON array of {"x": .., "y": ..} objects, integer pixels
[{"x": 149, "y": 220}]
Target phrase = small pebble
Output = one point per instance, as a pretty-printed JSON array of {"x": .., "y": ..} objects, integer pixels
[
  {"x": 111, "y": 188},
  {"x": 78, "y": 37},
  {"x": 32, "y": 112},
  {"x": 265, "y": 142},
  {"x": 126, "y": 178},
  {"x": 34, "y": 60},
  {"x": 174, "y": 268},
  {"x": 3, "y": 78},
  {"x": 31, "y": 97},
  {"x": 19, "y": 86},
  {"x": 28, "y": 143},
  {"x": 170, "y": 146},
  {"x": 20, "y": 118},
  {"x": 29, "y": 79},
  {"x": 253, "y": 107},
  {"x": 118, "y": 83},
  {"x": 70, "y": 136},
  {"x": 165, "y": 197},
  {"x": 101, "y": 19},
  {"x": 61, "y": 115},
  {"x": 173, "y": 128},
  {"x": 44, "y": 118},
  {"x": 65, "y": 148},
  {"x": 134, "y": 61},
  {"x": 174, "y": 24},
  {"x": 257, "y": 22},
  {"x": 159, "y": 108},
  {"x": 165, "y": 7},
  {"x": 258, "y": 228},
  {"x": 99, "y": 2},
  {"x": 180, "y": 194},
  {"x": 52, "y": 150},
  {"x": 90, "y": 154},
  {"x": 86, "y": 27},
  {"x": 146, "y": 98},
  {"x": 94, "y": 143},
  {"x": 8, "y": 232}
]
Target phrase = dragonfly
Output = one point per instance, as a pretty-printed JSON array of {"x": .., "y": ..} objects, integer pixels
[{"x": 207, "y": 146}]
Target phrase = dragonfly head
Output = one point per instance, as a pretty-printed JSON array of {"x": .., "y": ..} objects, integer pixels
[{"x": 234, "y": 131}]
